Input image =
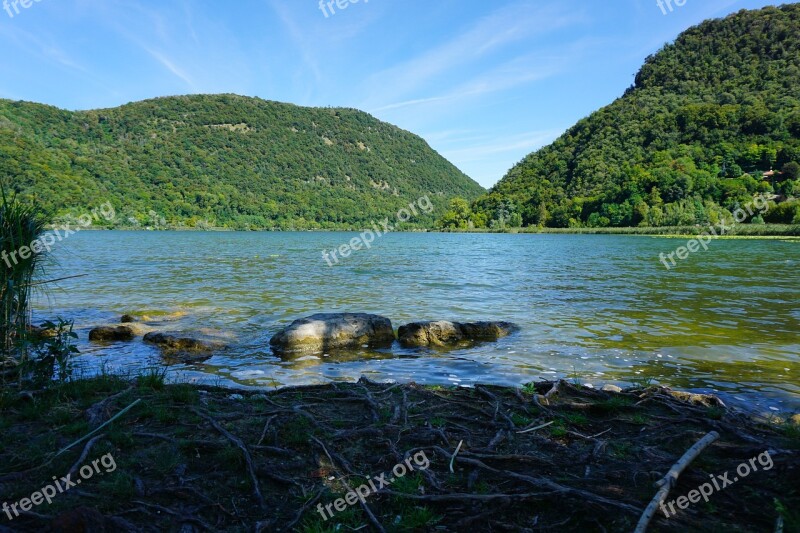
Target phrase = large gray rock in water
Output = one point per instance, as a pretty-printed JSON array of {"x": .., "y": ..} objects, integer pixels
[
  {"x": 444, "y": 333},
  {"x": 111, "y": 334},
  {"x": 333, "y": 331}
]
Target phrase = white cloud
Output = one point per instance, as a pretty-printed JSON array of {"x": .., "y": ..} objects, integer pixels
[{"x": 516, "y": 22}]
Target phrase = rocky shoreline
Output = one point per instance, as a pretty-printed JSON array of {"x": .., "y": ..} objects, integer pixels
[
  {"x": 545, "y": 456},
  {"x": 318, "y": 334}
]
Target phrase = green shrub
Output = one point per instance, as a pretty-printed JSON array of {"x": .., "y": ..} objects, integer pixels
[{"x": 784, "y": 213}]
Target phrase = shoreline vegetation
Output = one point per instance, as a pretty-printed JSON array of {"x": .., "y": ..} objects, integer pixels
[
  {"x": 738, "y": 231},
  {"x": 546, "y": 455}
]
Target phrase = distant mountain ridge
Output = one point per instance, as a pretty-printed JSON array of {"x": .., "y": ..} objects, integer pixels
[
  {"x": 707, "y": 120},
  {"x": 225, "y": 161}
]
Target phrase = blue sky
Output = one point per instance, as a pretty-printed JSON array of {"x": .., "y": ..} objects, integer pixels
[{"x": 485, "y": 83}]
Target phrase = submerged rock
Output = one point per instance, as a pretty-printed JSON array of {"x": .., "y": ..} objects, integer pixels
[
  {"x": 127, "y": 319},
  {"x": 325, "y": 332},
  {"x": 439, "y": 333},
  {"x": 111, "y": 334},
  {"x": 42, "y": 332},
  {"x": 444, "y": 333},
  {"x": 177, "y": 344}
]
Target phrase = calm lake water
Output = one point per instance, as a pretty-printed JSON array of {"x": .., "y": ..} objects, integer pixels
[{"x": 600, "y": 309}]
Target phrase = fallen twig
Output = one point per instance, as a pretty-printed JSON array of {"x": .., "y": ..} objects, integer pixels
[
  {"x": 548, "y": 484},
  {"x": 670, "y": 479},
  {"x": 100, "y": 427},
  {"x": 95, "y": 412},
  {"x": 266, "y": 427},
  {"x": 537, "y": 427},
  {"x": 302, "y": 511},
  {"x": 238, "y": 442},
  {"x": 85, "y": 453},
  {"x": 453, "y": 458},
  {"x": 370, "y": 514}
]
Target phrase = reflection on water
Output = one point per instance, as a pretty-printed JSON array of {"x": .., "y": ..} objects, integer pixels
[{"x": 595, "y": 308}]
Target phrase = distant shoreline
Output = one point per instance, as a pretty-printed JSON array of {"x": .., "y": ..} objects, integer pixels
[{"x": 748, "y": 231}]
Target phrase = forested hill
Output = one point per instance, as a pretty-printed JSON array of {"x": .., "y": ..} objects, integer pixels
[
  {"x": 708, "y": 116},
  {"x": 223, "y": 160}
]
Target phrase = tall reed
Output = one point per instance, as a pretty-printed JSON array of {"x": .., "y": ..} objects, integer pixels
[{"x": 20, "y": 225}]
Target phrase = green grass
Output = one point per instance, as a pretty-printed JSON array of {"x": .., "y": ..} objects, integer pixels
[
  {"x": 417, "y": 518},
  {"x": 153, "y": 378},
  {"x": 408, "y": 484},
  {"x": 791, "y": 517},
  {"x": 520, "y": 420},
  {"x": 613, "y": 404},
  {"x": 183, "y": 394},
  {"x": 620, "y": 450},
  {"x": 297, "y": 432},
  {"x": 438, "y": 422},
  {"x": 574, "y": 419}
]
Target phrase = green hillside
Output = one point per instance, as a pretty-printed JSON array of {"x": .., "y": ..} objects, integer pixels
[
  {"x": 223, "y": 160},
  {"x": 708, "y": 116}
]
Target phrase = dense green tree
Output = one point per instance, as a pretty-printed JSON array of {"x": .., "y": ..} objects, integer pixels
[
  {"x": 224, "y": 160},
  {"x": 708, "y": 115},
  {"x": 458, "y": 216},
  {"x": 791, "y": 170}
]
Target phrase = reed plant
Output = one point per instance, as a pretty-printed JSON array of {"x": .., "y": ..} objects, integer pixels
[{"x": 20, "y": 225}]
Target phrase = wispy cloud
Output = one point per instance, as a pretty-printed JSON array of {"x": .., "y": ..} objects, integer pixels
[
  {"x": 169, "y": 64},
  {"x": 515, "y": 73},
  {"x": 43, "y": 47},
  {"x": 526, "y": 142},
  {"x": 509, "y": 24},
  {"x": 299, "y": 38}
]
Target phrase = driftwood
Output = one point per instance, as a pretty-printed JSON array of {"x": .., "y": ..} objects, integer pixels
[{"x": 668, "y": 481}]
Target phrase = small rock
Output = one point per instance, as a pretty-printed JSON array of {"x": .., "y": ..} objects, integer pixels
[
  {"x": 127, "y": 319},
  {"x": 445, "y": 333},
  {"x": 706, "y": 400},
  {"x": 611, "y": 388},
  {"x": 111, "y": 334},
  {"x": 181, "y": 349},
  {"x": 41, "y": 332},
  {"x": 171, "y": 342},
  {"x": 795, "y": 419}
]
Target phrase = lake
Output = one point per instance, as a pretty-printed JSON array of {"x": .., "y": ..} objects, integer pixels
[{"x": 592, "y": 308}]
